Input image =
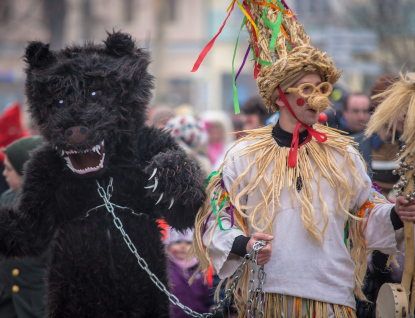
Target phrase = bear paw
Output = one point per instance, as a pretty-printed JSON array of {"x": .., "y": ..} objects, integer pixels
[
  {"x": 173, "y": 176},
  {"x": 154, "y": 188}
]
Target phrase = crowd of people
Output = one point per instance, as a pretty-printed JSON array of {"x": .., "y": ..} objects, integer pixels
[
  {"x": 203, "y": 137},
  {"x": 314, "y": 189},
  {"x": 207, "y": 137}
]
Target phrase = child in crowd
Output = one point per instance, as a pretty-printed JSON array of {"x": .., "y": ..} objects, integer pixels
[
  {"x": 195, "y": 296},
  {"x": 190, "y": 134},
  {"x": 22, "y": 280}
]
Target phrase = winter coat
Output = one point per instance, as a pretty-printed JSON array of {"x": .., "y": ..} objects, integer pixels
[
  {"x": 195, "y": 296},
  {"x": 22, "y": 280}
]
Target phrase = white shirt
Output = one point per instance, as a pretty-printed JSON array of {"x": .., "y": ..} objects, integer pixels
[{"x": 299, "y": 266}]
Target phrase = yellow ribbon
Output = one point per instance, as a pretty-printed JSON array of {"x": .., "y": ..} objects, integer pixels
[
  {"x": 249, "y": 18},
  {"x": 230, "y": 6}
]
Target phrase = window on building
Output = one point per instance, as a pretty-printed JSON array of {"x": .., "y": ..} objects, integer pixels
[
  {"x": 128, "y": 10},
  {"x": 312, "y": 9},
  {"x": 388, "y": 10},
  {"x": 180, "y": 91},
  {"x": 171, "y": 7},
  {"x": 5, "y": 11}
]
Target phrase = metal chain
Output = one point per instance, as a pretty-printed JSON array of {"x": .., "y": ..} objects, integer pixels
[
  {"x": 250, "y": 257},
  {"x": 256, "y": 295}
]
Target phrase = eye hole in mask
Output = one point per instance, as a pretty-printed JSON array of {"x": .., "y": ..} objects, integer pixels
[{"x": 94, "y": 96}]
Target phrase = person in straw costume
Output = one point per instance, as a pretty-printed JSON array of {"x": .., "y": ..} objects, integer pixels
[{"x": 300, "y": 187}]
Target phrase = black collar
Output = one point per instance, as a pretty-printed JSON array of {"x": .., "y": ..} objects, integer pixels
[{"x": 284, "y": 138}]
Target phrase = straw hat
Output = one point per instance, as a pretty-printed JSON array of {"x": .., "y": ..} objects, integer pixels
[{"x": 282, "y": 51}]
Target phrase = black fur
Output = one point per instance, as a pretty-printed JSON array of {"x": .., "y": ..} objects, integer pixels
[{"x": 93, "y": 272}]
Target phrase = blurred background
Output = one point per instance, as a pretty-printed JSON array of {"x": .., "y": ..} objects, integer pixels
[{"x": 367, "y": 38}]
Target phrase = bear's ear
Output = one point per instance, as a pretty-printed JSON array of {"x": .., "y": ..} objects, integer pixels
[
  {"x": 38, "y": 54},
  {"x": 119, "y": 44}
]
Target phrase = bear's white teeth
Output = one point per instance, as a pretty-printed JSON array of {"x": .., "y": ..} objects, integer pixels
[
  {"x": 85, "y": 170},
  {"x": 96, "y": 148},
  {"x": 85, "y": 161}
]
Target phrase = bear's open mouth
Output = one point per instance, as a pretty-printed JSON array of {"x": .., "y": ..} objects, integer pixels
[{"x": 85, "y": 161}]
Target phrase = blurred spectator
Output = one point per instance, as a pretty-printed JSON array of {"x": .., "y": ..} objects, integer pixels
[
  {"x": 381, "y": 84},
  {"x": 238, "y": 124},
  {"x": 22, "y": 285},
  {"x": 380, "y": 155},
  {"x": 195, "y": 296},
  {"x": 11, "y": 129},
  {"x": 3, "y": 184},
  {"x": 273, "y": 119},
  {"x": 185, "y": 109},
  {"x": 254, "y": 113},
  {"x": 160, "y": 115},
  {"x": 219, "y": 127},
  {"x": 379, "y": 151},
  {"x": 189, "y": 133},
  {"x": 355, "y": 113},
  {"x": 337, "y": 97},
  {"x": 216, "y": 143}
]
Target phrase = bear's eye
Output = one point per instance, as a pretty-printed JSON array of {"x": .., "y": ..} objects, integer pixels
[
  {"x": 61, "y": 101},
  {"x": 95, "y": 95}
]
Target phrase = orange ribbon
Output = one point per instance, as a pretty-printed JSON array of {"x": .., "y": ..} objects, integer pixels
[
  {"x": 279, "y": 9},
  {"x": 367, "y": 205},
  {"x": 272, "y": 6},
  {"x": 225, "y": 196}
]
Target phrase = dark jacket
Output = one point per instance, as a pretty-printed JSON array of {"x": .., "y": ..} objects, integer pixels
[
  {"x": 22, "y": 280},
  {"x": 365, "y": 149},
  {"x": 195, "y": 296}
]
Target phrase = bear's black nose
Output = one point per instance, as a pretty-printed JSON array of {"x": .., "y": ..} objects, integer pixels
[{"x": 76, "y": 135}]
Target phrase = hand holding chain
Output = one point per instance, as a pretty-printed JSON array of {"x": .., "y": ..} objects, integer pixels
[{"x": 250, "y": 257}]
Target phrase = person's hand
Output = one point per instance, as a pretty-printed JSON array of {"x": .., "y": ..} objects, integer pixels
[
  {"x": 405, "y": 209},
  {"x": 264, "y": 254}
]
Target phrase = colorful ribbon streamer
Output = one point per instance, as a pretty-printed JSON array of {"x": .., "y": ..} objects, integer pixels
[
  {"x": 288, "y": 8},
  {"x": 214, "y": 173},
  {"x": 235, "y": 91},
  {"x": 258, "y": 60},
  {"x": 210, "y": 44},
  {"x": 216, "y": 212},
  {"x": 290, "y": 44},
  {"x": 243, "y": 62},
  {"x": 367, "y": 205},
  {"x": 275, "y": 26},
  {"x": 247, "y": 12},
  {"x": 204, "y": 226},
  {"x": 346, "y": 232},
  {"x": 224, "y": 198},
  {"x": 260, "y": 3}
]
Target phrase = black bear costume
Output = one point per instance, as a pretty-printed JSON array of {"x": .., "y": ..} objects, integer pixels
[{"x": 90, "y": 103}]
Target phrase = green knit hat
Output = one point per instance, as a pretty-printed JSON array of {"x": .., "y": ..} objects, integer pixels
[{"x": 18, "y": 152}]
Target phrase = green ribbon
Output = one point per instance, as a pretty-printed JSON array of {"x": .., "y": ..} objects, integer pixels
[
  {"x": 275, "y": 26},
  {"x": 235, "y": 91},
  {"x": 346, "y": 228},
  {"x": 216, "y": 213},
  {"x": 289, "y": 45},
  {"x": 262, "y": 62},
  {"x": 214, "y": 173}
]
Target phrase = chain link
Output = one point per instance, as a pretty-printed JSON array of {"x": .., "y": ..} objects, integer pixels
[
  {"x": 250, "y": 257},
  {"x": 256, "y": 295}
]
